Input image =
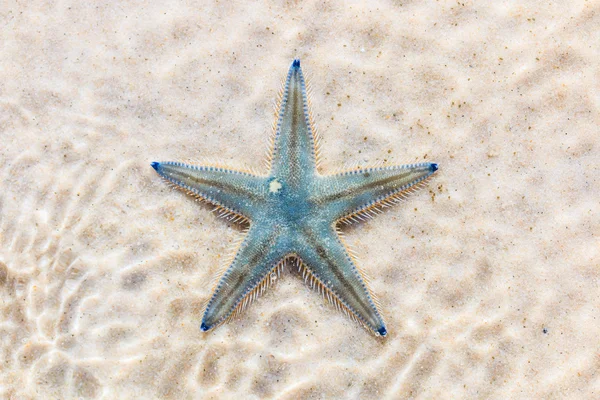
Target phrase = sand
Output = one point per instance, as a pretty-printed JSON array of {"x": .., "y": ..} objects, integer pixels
[{"x": 488, "y": 279}]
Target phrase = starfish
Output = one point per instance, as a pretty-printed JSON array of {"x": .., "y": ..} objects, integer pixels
[{"x": 293, "y": 213}]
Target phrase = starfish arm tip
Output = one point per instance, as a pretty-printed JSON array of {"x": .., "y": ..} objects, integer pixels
[
  {"x": 382, "y": 331},
  {"x": 296, "y": 63},
  {"x": 204, "y": 327},
  {"x": 434, "y": 167},
  {"x": 155, "y": 165}
]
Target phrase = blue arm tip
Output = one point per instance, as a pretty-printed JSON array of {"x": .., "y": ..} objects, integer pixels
[
  {"x": 296, "y": 63},
  {"x": 204, "y": 327},
  {"x": 434, "y": 167},
  {"x": 155, "y": 165},
  {"x": 382, "y": 331}
]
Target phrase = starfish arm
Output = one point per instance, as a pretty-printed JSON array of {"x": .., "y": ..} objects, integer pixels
[
  {"x": 259, "y": 255},
  {"x": 293, "y": 155},
  {"x": 232, "y": 191},
  {"x": 350, "y": 195},
  {"x": 331, "y": 268}
]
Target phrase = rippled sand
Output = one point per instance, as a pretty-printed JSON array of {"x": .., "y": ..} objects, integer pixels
[{"x": 488, "y": 279}]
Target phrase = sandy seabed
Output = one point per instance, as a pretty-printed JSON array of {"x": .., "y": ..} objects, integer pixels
[{"x": 488, "y": 279}]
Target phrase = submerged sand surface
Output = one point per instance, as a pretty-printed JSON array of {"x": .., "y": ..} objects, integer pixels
[{"x": 488, "y": 279}]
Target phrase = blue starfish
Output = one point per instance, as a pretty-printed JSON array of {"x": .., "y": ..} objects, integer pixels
[{"x": 293, "y": 213}]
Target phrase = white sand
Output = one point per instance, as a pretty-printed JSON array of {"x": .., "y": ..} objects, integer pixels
[{"x": 488, "y": 279}]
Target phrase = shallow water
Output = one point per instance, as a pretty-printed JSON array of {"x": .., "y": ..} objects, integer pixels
[{"x": 488, "y": 279}]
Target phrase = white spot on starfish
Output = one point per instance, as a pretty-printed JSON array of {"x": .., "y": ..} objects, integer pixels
[{"x": 274, "y": 186}]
